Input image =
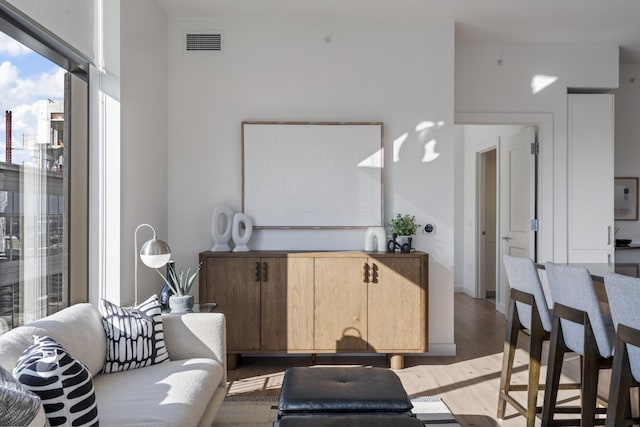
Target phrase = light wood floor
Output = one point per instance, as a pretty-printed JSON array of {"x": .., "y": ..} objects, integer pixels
[{"x": 468, "y": 383}]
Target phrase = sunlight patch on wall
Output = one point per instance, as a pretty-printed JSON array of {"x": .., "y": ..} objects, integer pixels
[
  {"x": 397, "y": 145},
  {"x": 541, "y": 81},
  {"x": 373, "y": 161},
  {"x": 428, "y": 125},
  {"x": 430, "y": 152}
]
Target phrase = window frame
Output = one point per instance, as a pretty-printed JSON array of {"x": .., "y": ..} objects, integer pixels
[{"x": 23, "y": 29}]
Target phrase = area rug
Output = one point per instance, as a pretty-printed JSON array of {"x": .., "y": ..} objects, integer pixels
[{"x": 261, "y": 412}]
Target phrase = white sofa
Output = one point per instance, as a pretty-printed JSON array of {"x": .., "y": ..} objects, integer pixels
[{"x": 187, "y": 391}]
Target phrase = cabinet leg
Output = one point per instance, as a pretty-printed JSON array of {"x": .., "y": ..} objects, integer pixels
[
  {"x": 397, "y": 361},
  {"x": 313, "y": 358},
  {"x": 232, "y": 361}
]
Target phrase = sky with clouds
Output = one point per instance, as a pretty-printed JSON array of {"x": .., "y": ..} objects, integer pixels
[{"x": 25, "y": 78}]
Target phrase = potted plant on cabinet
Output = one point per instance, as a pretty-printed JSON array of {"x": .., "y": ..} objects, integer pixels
[
  {"x": 180, "y": 283},
  {"x": 403, "y": 227}
]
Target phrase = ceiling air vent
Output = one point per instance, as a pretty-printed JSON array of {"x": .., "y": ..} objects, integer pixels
[{"x": 204, "y": 42}]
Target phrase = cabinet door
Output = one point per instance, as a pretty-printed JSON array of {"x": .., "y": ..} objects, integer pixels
[
  {"x": 234, "y": 284},
  {"x": 286, "y": 304},
  {"x": 396, "y": 304},
  {"x": 591, "y": 124},
  {"x": 340, "y": 304}
]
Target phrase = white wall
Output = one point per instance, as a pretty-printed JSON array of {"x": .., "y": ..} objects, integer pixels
[
  {"x": 496, "y": 81},
  {"x": 627, "y": 138},
  {"x": 144, "y": 173},
  {"x": 400, "y": 74},
  {"x": 71, "y": 20}
]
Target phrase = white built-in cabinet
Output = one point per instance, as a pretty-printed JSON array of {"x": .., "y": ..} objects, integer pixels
[{"x": 590, "y": 178}]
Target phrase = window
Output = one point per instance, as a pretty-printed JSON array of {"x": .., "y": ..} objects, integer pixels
[{"x": 43, "y": 177}]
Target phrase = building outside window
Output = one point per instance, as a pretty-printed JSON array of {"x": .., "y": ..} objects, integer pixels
[{"x": 34, "y": 186}]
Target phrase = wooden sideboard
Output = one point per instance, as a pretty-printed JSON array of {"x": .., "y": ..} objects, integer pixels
[{"x": 319, "y": 302}]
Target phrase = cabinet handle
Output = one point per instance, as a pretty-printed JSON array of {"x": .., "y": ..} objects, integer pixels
[
  {"x": 366, "y": 273},
  {"x": 608, "y": 235},
  {"x": 375, "y": 273},
  {"x": 257, "y": 271},
  {"x": 265, "y": 277}
]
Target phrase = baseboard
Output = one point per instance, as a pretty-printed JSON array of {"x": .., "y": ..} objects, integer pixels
[{"x": 441, "y": 349}]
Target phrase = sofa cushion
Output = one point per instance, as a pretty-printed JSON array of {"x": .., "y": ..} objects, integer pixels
[
  {"x": 19, "y": 406},
  {"x": 63, "y": 384},
  {"x": 175, "y": 393},
  {"x": 134, "y": 336},
  {"x": 77, "y": 328}
]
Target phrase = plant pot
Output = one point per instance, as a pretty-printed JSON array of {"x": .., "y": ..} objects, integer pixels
[
  {"x": 404, "y": 243},
  {"x": 181, "y": 304}
]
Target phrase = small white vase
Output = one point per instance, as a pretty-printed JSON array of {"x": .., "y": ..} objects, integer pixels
[
  {"x": 221, "y": 225},
  {"x": 241, "y": 232},
  {"x": 181, "y": 304},
  {"x": 375, "y": 239}
]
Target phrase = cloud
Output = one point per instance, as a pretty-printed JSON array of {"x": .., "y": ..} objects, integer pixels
[
  {"x": 11, "y": 47},
  {"x": 21, "y": 96}
]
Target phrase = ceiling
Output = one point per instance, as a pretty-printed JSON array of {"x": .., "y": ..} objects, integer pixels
[{"x": 477, "y": 21}]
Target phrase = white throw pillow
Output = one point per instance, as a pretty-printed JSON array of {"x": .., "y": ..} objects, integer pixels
[
  {"x": 63, "y": 384},
  {"x": 135, "y": 336}
]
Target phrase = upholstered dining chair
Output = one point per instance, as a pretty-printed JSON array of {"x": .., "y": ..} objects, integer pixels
[
  {"x": 528, "y": 309},
  {"x": 579, "y": 326},
  {"x": 623, "y": 293}
]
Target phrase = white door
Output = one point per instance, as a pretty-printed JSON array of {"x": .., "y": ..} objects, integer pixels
[{"x": 517, "y": 203}]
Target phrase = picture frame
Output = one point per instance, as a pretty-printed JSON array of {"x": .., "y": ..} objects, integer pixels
[
  {"x": 625, "y": 193},
  {"x": 342, "y": 165}
]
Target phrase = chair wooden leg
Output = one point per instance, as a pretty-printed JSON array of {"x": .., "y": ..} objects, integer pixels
[
  {"x": 589, "y": 390},
  {"x": 508, "y": 355},
  {"x": 619, "y": 389},
  {"x": 535, "y": 360},
  {"x": 557, "y": 350}
]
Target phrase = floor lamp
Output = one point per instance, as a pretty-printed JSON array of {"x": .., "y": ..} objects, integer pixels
[{"x": 154, "y": 253}]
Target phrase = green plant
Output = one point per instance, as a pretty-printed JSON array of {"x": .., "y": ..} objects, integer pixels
[
  {"x": 404, "y": 225},
  {"x": 181, "y": 283}
]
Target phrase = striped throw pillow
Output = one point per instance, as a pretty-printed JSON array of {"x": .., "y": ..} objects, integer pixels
[
  {"x": 63, "y": 384},
  {"x": 19, "y": 407},
  {"x": 135, "y": 336}
]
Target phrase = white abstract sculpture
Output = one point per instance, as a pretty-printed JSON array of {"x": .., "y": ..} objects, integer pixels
[
  {"x": 241, "y": 232},
  {"x": 375, "y": 239},
  {"x": 221, "y": 224}
]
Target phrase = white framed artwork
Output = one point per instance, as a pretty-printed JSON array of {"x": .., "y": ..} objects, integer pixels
[{"x": 312, "y": 174}]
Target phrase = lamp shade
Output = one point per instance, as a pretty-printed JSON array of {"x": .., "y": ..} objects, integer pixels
[{"x": 155, "y": 253}]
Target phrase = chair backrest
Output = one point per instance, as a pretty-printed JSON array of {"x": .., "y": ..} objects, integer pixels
[
  {"x": 623, "y": 293},
  {"x": 523, "y": 276},
  {"x": 573, "y": 287}
]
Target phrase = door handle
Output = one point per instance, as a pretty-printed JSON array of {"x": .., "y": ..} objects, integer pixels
[{"x": 507, "y": 238}]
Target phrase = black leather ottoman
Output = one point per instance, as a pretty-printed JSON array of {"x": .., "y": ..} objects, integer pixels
[
  {"x": 347, "y": 421},
  {"x": 342, "y": 391}
]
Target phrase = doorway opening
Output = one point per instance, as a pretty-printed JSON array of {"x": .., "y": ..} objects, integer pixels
[
  {"x": 488, "y": 222},
  {"x": 502, "y": 194}
]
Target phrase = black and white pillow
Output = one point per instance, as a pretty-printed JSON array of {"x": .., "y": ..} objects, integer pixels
[
  {"x": 19, "y": 406},
  {"x": 63, "y": 384},
  {"x": 135, "y": 336}
]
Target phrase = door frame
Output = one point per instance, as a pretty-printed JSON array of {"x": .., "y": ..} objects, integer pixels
[{"x": 545, "y": 186}]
